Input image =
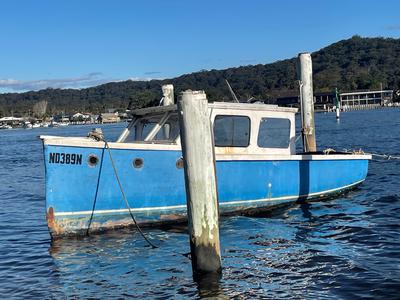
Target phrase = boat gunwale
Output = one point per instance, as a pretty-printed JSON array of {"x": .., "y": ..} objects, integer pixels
[{"x": 67, "y": 142}]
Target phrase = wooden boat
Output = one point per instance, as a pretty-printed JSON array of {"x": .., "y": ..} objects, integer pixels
[{"x": 256, "y": 162}]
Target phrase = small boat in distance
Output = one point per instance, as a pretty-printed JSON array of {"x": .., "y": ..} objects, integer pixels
[
  {"x": 27, "y": 125},
  {"x": 256, "y": 163},
  {"x": 5, "y": 126}
]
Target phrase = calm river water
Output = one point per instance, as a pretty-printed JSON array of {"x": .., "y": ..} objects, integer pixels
[{"x": 348, "y": 247}]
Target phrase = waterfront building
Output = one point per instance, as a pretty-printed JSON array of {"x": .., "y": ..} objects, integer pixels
[
  {"x": 109, "y": 118},
  {"x": 364, "y": 98},
  {"x": 348, "y": 100}
]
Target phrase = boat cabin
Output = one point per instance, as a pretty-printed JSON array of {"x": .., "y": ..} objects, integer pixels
[{"x": 239, "y": 128}]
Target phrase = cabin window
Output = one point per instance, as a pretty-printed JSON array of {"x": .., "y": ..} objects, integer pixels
[
  {"x": 131, "y": 136},
  {"x": 168, "y": 132},
  {"x": 231, "y": 131},
  {"x": 147, "y": 127},
  {"x": 274, "y": 133}
]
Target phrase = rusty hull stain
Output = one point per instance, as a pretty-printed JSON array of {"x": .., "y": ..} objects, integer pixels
[
  {"x": 229, "y": 150},
  {"x": 77, "y": 227},
  {"x": 54, "y": 228}
]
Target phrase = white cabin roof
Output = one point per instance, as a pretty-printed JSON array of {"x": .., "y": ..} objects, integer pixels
[
  {"x": 251, "y": 106},
  {"x": 218, "y": 105}
]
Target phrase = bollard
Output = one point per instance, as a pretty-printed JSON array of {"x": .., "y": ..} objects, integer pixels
[
  {"x": 168, "y": 96},
  {"x": 200, "y": 181},
  {"x": 307, "y": 102}
]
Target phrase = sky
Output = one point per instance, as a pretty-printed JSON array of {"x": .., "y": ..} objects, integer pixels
[{"x": 81, "y": 43}]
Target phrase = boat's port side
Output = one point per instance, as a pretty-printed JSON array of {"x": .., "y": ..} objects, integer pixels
[
  {"x": 154, "y": 184},
  {"x": 256, "y": 164}
]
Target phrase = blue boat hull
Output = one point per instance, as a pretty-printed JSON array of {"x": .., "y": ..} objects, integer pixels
[{"x": 156, "y": 189}]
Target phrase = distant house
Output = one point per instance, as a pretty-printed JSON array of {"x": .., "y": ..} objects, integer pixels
[
  {"x": 289, "y": 101},
  {"x": 61, "y": 118},
  {"x": 111, "y": 110},
  {"x": 11, "y": 120},
  {"x": 77, "y": 116},
  {"x": 322, "y": 101},
  {"x": 105, "y": 118},
  {"x": 80, "y": 118}
]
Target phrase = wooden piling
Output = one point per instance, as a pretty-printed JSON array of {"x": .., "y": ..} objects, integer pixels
[
  {"x": 200, "y": 181},
  {"x": 307, "y": 102}
]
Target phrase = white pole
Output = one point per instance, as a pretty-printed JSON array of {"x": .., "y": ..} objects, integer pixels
[
  {"x": 200, "y": 181},
  {"x": 168, "y": 95},
  {"x": 338, "y": 104},
  {"x": 307, "y": 105}
]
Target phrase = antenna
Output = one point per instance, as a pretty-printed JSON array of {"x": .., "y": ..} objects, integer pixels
[{"x": 232, "y": 92}]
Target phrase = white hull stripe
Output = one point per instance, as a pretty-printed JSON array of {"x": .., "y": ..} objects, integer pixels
[{"x": 164, "y": 208}]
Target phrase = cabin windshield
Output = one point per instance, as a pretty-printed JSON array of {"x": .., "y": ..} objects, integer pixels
[{"x": 162, "y": 128}]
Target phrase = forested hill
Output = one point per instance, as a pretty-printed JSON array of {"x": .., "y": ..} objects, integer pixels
[{"x": 353, "y": 64}]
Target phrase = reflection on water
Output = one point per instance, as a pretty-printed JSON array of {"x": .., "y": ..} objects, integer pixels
[
  {"x": 348, "y": 247},
  {"x": 209, "y": 286}
]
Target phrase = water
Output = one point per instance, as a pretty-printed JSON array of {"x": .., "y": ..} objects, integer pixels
[{"x": 348, "y": 247}]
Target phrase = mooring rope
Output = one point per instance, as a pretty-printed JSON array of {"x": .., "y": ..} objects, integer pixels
[
  {"x": 95, "y": 195},
  {"x": 349, "y": 151},
  {"x": 385, "y": 156},
  {"x": 98, "y": 136},
  {"x": 124, "y": 196},
  {"x": 187, "y": 255}
]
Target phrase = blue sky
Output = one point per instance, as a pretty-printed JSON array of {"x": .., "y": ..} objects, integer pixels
[{"x": 84, "y": 43}]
